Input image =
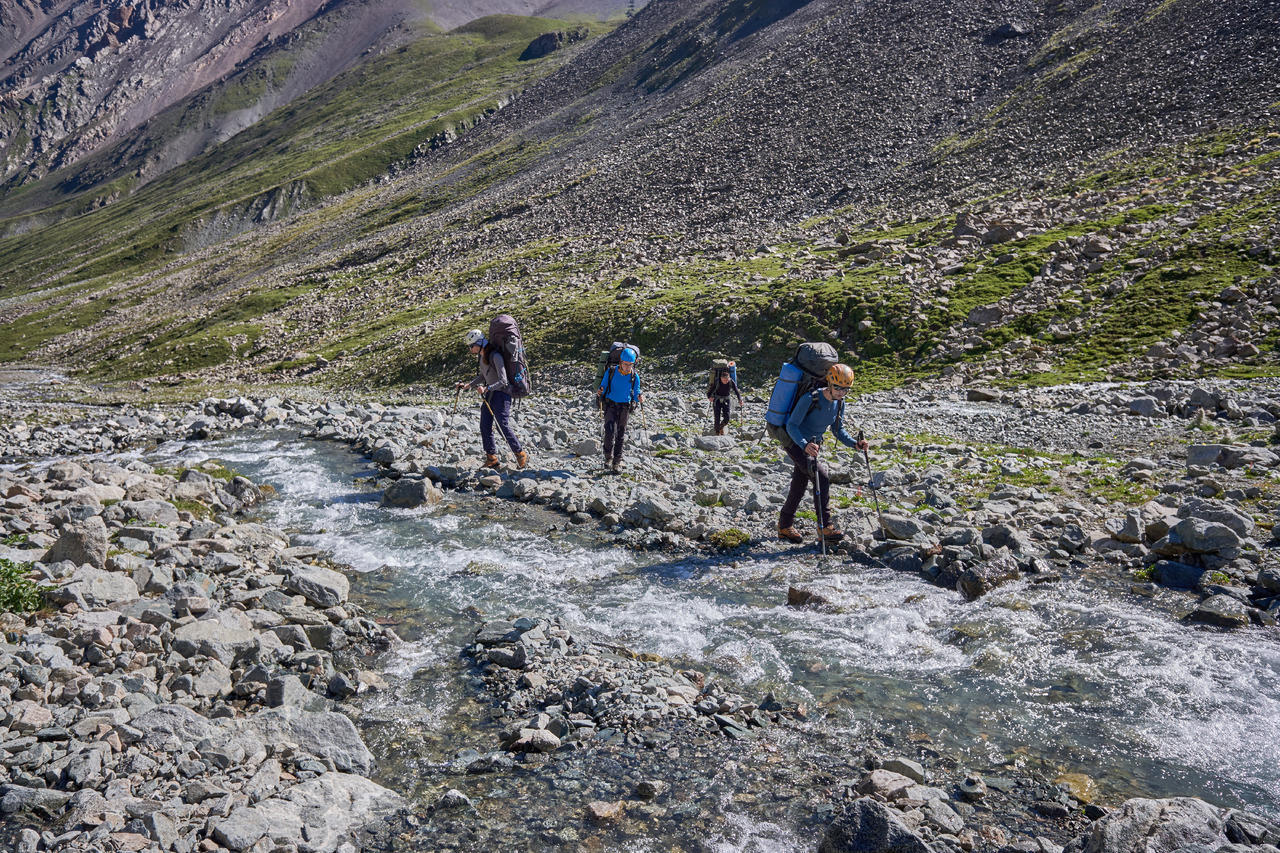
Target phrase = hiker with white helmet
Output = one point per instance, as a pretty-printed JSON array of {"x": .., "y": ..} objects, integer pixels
[
  {"x": 618, "y": 393},
  {"x": 813, "y": 414},
  {"x": 494, "y": 389}
]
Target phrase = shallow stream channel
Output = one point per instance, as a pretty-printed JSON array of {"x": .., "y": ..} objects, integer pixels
[{"x": 1082, "y": 681}]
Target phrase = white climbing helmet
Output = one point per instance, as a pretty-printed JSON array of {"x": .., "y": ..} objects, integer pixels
[{"x": 474, "y": 338}]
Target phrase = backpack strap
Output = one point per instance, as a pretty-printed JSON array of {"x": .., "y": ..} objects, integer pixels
[{"x": 608, "y": 385}]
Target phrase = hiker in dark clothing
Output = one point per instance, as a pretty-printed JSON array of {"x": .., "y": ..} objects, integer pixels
[
  {"x": 491, "y": 384},
  {"x": 718, "y": 396},
  {"x": 619, "y": 391},
  {"x": 810, "y": 419}
]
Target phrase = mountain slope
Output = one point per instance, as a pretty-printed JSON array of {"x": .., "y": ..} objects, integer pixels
[
  {"x": 80, "y": 77},
  {"x": 993, "y": 188}
]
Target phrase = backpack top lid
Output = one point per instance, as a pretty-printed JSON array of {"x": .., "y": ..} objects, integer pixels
[
  {"x": 816, "y": 359},
  {"x": 503, "y": 327},
  {"x": 615, "y": 352}
]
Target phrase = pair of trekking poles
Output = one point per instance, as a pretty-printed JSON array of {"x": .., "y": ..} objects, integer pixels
[{"x": 817, "y": 496}]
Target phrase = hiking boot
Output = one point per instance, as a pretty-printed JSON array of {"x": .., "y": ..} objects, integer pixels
[
  {"x": 790, "y": 534},
  {"x": 491, "y": 460},
  {"x": 720, "y": 431},
  {"x": 831, "y": 533},
  {"x": 522, "y": 459},
  {"x": 616, "y": 467}
]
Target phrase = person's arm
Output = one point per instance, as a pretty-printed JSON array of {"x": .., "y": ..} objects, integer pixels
[
  {"x": 496, "y": 361},
  {"x": 796, "y": 421},
  {"x": 637, "y": 396},
  {"x": 837, "y": 429},
  {"x": 736, "y": 392}
]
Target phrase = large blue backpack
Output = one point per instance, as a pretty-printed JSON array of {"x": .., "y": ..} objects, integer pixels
[{"x": 805, "y": 372}]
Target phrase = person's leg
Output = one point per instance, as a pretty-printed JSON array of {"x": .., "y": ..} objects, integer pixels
[
  {"x": 799, "y": 485},
  {"x": 486, "y": 430},
  {"x": 610, "y": 426},
  {"x": 624, "y": 417},
  {"x": 722, "y": 413},
  {"x": 502, "y": 408},
  {"x": 822, "y": 506}
]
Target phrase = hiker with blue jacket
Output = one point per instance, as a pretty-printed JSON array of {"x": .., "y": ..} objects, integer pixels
[
  {"x": 619, "y": 392},
  {"x": 813, "y": 415},
  {"x": 494, "y": 390}
]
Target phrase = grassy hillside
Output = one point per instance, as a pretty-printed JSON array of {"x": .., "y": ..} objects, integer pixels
[
  {"x": 334, "y": 138},
  {"x": 1155, "y": 257}
]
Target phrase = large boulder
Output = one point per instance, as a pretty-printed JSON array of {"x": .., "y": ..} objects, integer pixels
[
  {"x": 84, "y": 543},
  {"x": 319, "y": 814},
  {"x": 1203, "y": 537},
  {"x": 222, "y": 637},
  {"x": 322, "y": 587},
  {"x": 980, "y": 578},
  {"x": 97, "y": 587},
  {"x": 324, "y": 734},
  {"x": 176, "y": 722},
  {"x": 1222, "y": 611},
  {"x": 411, "y": 493},
  {"x": 866, "y": 826},
  {"x": 1154, "y": 826}
]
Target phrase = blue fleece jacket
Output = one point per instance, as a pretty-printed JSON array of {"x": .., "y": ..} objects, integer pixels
[
  {"x": 623, "y": 389},
  {"x": 812, "y": 417}
]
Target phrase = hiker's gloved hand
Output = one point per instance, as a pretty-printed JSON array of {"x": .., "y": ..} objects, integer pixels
[
  {"x": 460, "y": 385},
  {"x": 812, "y": 449},
  {"x": 641, "y": 399},
  {"x": 481, "y": 390},
  {"x": 862, "y": 444}
]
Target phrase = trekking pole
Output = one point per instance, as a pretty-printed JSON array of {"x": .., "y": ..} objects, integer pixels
[
  {"x": 644, "y": 422},
  {"x": 492, "y": 414},
  {"x": 817, "y": 504},
  {"x": 457, "y": 395},
  {"x": 867, "y": 458}
]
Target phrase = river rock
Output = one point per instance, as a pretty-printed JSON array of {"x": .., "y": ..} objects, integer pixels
[
  {"x": 322, "y": 587},
  {"x": 1203, "y": 537},
  {"x": 318, "y": 814},
  {"x": 411, "y": 493},
  {"x": 324, "y": 734},
  {"x": 867, "y": 826},
  {"x": 1154, "y": 826},
  {"x": 82, "y": 543},
  {"x": 980, "y": 578},
  {"x": 901, "y": 527},
  {"x": 1176, "y": 575},
  {"x": 1221, "y": 610}
]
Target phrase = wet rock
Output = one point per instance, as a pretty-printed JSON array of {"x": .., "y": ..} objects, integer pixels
[
  {"x": 973, "y": 788},
  {"x": 601, "y": 811},
  {"x": 1154, "y": 826},
  {"x": 901, "y": 527},
  {"x": 982, "y": 577},
  {"x": 410, "y": 493},
  {"x": 1176, "y": 575},
  {"x": 905, "y": 766},
  {"x": 1221, "y": 610},
  {"x": 884, "y": 784},
  {"x": 866, "y": 826},
  {"x": 322, "y": 587},
  {"x": 649, "y": 789}
]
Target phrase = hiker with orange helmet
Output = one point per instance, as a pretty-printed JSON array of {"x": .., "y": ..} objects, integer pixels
[{"x": 812, "y": 416}]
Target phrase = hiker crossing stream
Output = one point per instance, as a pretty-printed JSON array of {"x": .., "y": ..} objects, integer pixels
[{"x": 1079, "y": 681}]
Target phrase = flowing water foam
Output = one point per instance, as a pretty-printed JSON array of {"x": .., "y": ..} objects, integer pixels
[{"x": 1075, "y": 676}]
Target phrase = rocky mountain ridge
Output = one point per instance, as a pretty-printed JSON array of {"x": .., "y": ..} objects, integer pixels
[{"x": 80, "y": 77}]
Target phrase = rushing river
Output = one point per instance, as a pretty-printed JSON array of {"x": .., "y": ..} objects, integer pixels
[{"x": 1082, "y": 676}]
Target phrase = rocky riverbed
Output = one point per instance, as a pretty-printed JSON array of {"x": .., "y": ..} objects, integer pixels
[{"x": 182, "y": 694}]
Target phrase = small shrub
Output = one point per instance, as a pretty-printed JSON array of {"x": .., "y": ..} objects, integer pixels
[
  {"x": 1146, "y": 574},
  {"x": 1219, "y": 577},
  {"x": 14, "y": 540},
  {"x": 729, "y": 538},
  {"x": 18, "y": 593}
]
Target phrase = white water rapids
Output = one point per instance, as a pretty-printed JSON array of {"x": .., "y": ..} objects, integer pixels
[{"x": 1081, "y": 676}]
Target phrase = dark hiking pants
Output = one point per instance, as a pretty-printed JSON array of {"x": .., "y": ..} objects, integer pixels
[
  {"x": 500, "y": 402},
  {"x": 721, "y": 410},
  {"x": 802, "y": 483},
  {"x": 616, "y": 416}
]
